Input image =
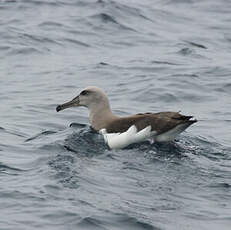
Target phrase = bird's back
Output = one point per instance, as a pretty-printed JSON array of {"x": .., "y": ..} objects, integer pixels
[{"x": 160, "y": 122}]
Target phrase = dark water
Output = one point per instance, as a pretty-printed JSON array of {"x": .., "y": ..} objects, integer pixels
[{"x": 149, "y": 56}]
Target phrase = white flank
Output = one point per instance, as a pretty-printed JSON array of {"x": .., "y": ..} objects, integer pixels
[
  {"x": 171, "y": 134},
  {"x": 122, "y": 140}
]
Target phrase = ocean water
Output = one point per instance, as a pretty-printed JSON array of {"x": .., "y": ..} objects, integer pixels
[{"x": 149, "y": 56}]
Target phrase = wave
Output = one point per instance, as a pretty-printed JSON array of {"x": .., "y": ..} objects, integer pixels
[{"x": 117, "y": 221}]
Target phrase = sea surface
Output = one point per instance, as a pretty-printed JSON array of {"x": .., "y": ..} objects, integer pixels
[{"x": 149, "y": 56}]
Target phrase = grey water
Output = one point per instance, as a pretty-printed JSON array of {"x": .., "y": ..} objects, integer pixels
[{"x": 149, "y": 56}]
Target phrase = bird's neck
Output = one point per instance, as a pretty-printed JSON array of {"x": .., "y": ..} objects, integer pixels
[{"x": 100, "y": 116}]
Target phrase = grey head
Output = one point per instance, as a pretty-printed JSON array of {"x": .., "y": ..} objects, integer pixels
[
  {"x": 97, "y": 103},
  {"x": 90, "y": 97}
]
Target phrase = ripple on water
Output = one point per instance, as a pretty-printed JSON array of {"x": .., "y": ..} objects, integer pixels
[
  {"x": 5, "y": 169},
  {"x": 66, "y": 170},
  {"x": 117, "y": 221},
  {"x": 85, "y": 141}
]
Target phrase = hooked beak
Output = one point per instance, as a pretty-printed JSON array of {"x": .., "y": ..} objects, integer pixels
[{"x": 72, "y": 103}]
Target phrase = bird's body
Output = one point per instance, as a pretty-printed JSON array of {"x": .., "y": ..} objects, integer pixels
[
  {"x": 164, "y": 126},
  {"x": 160, "y": 122}
]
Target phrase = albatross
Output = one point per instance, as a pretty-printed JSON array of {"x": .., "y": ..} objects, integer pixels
[{"x": 119, "y": 132}]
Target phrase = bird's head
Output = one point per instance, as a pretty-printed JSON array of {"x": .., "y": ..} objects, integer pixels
[{"x": 91, "y": 97}]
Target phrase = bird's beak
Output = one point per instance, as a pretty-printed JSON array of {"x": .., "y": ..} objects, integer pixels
[{"x": 72, "y": 103}]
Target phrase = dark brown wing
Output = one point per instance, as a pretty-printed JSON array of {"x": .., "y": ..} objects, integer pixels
[{"x": 160, "y": 122}]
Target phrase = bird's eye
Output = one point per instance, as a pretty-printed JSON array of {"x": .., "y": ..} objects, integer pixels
[{"x": 84, "y": 92}]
